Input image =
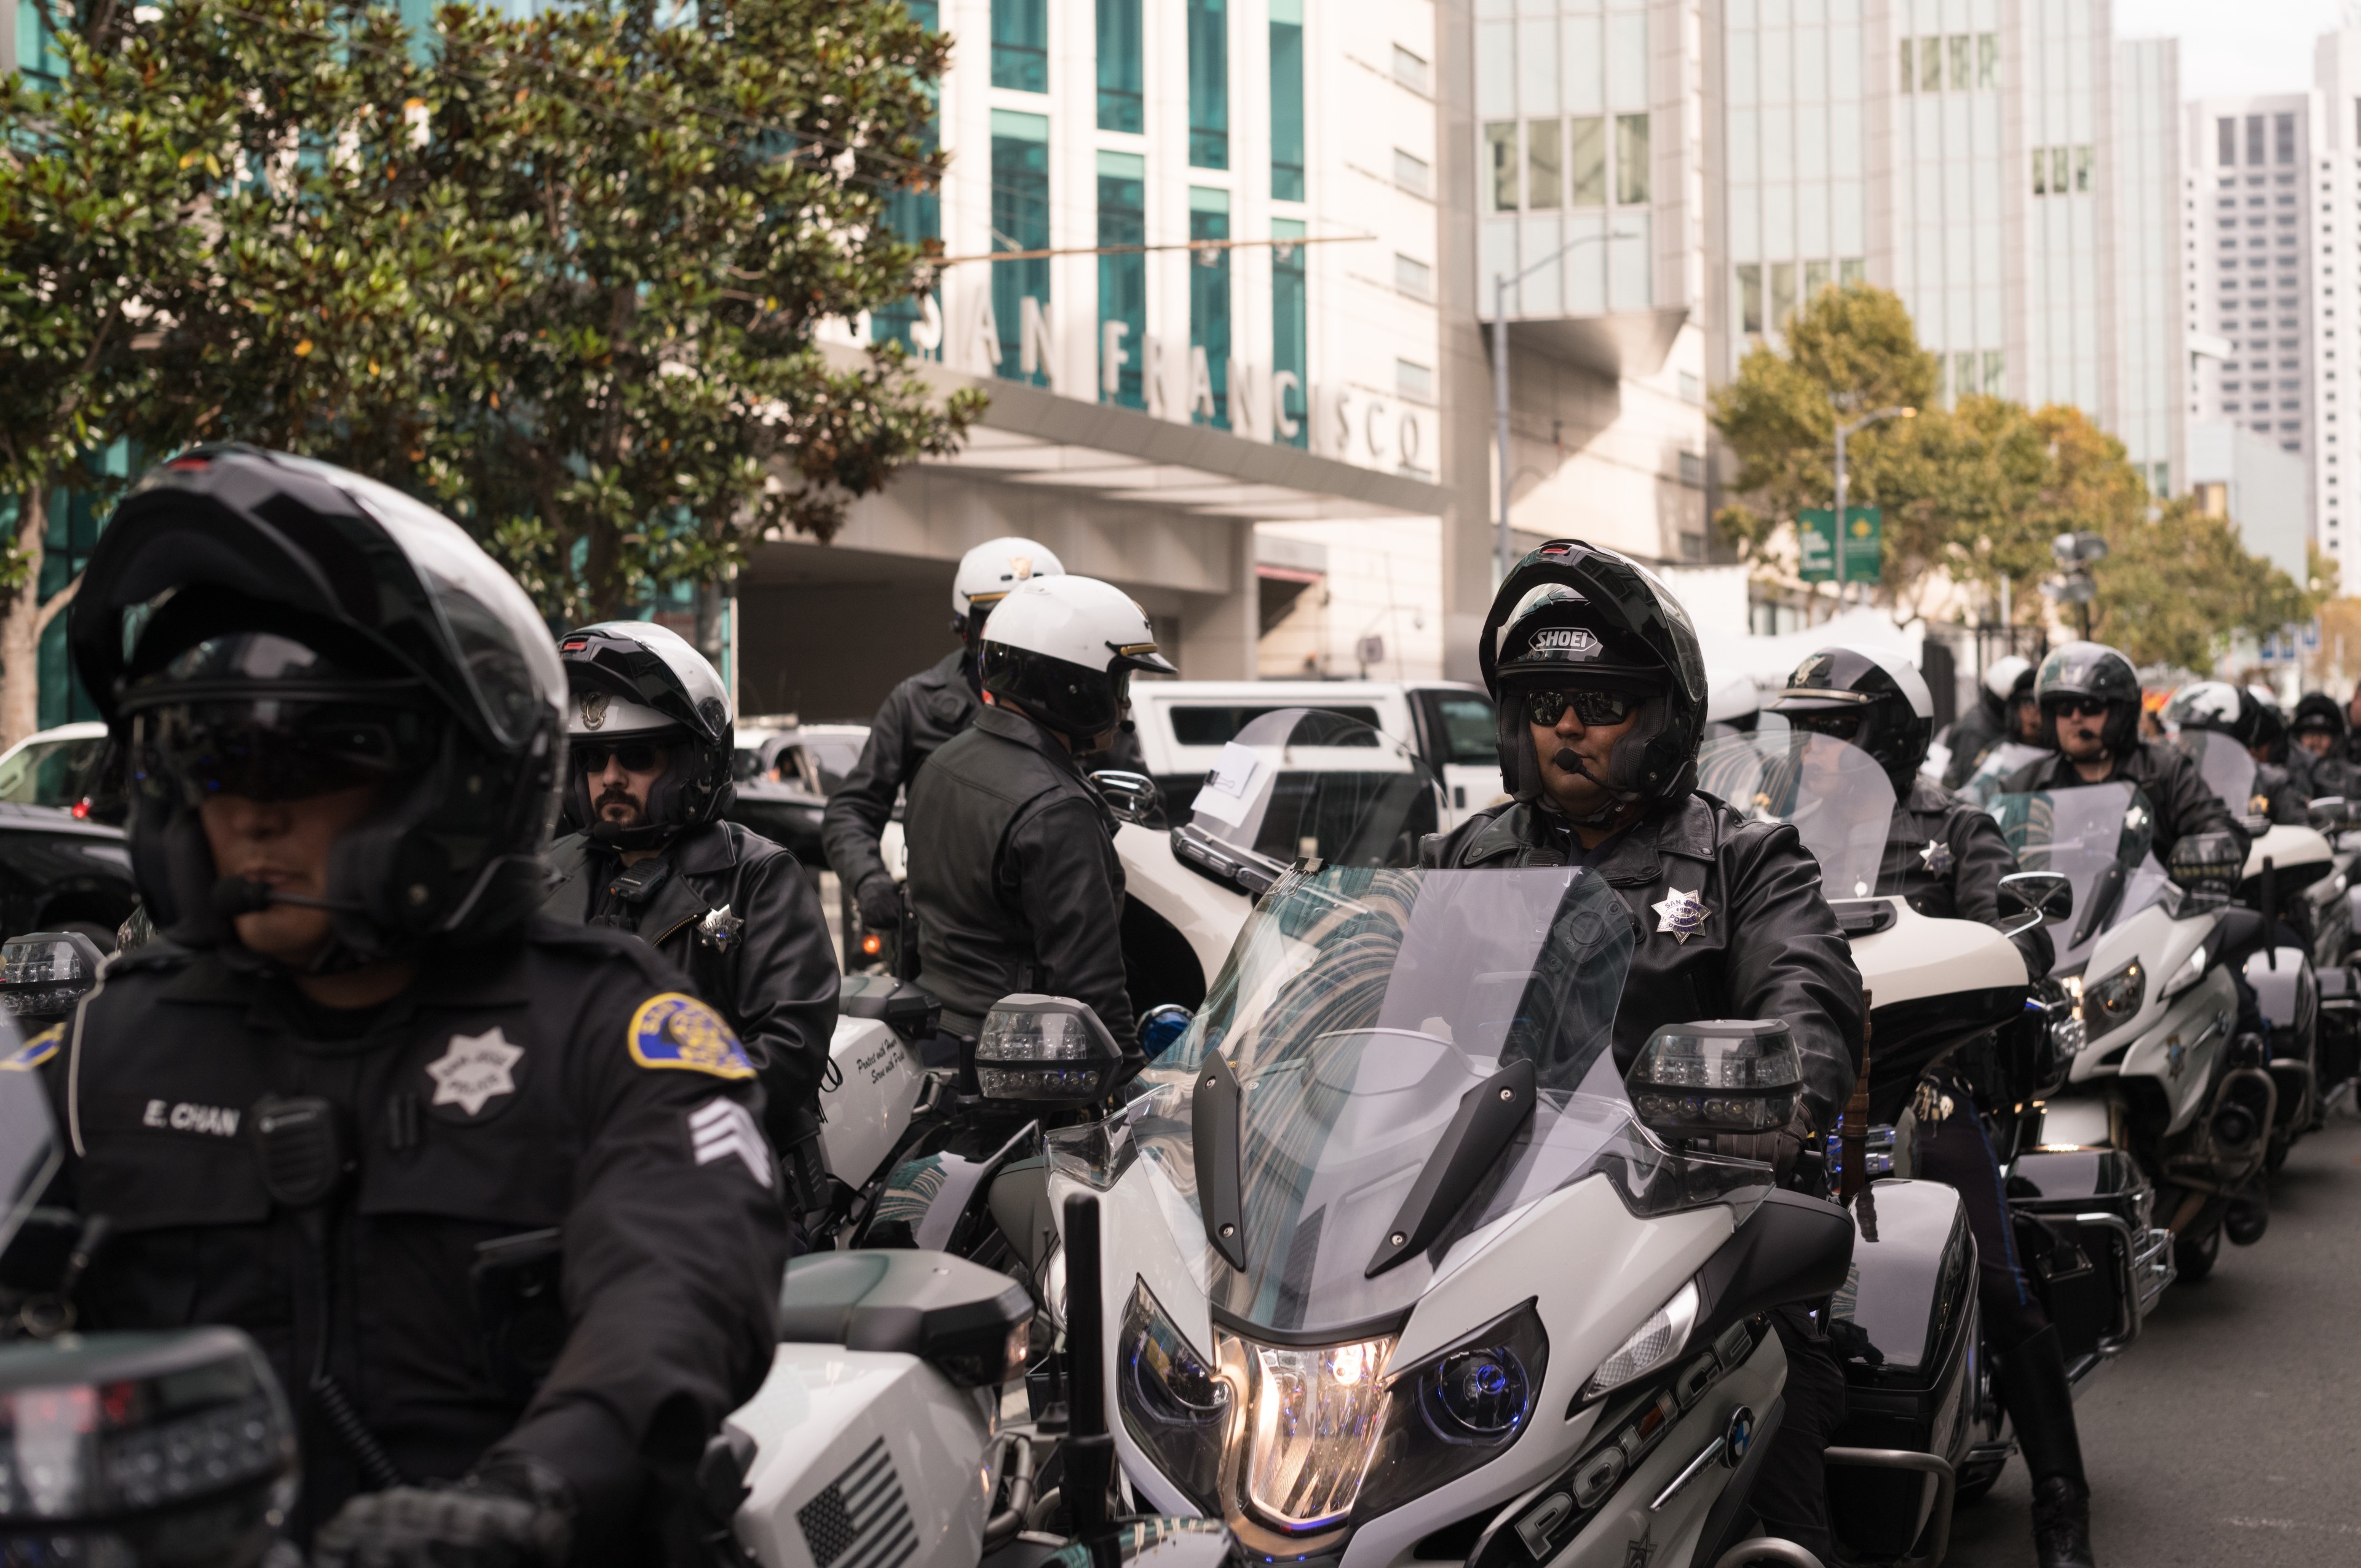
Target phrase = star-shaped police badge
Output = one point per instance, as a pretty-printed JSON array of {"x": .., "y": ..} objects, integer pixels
[
  {"x": 1937, "y": 856},
  {"x": 475, "y": 1070},
  {"x": 1680, "y": 914}
]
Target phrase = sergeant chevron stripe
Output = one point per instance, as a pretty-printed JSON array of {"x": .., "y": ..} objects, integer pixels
[
  {"x": 859, "y": 1520},
  {"x": 719, "y": 1128}
]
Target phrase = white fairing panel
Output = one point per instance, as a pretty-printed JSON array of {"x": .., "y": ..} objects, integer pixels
[
  {"x": 863, "y": 1460},
  {"x": 2172, "y": 1041},
  {"x": 1917, "y": 956},
  {"x": 2287, "y": 845},
  {"x": 1206, "y": 913},
  {"x": 877, "y": 1076}
]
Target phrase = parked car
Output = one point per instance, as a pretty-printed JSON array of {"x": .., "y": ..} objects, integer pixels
[
  {"x": 58, "y": 872},
  {"x": 1183, "y": 725},
  {"x": 786, "y": 772},
  {"x": 54, "y": 767}
]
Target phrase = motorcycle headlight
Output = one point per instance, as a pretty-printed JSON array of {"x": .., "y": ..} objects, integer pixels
[
  {"x": 1651, "y": 1344},
  {"x": 2113, "y": 1002},
  {"x": 1457, "y": 1411},
  {"x": 1175, "y": 1404}
]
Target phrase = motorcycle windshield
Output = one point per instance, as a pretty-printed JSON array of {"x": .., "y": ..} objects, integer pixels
[
  {"x": 1991, "y": 775},
  {"x": 29, "y": 1152},
  {"x": 2227, "y": 768},
  {"x": 2097, "y": 837},
  {"x": 1358, "y": 1008},
  {"x": 1301, "y": 783},
  {"x": 1838, "y": 797}
]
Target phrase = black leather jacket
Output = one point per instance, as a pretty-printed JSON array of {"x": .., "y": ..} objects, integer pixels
[
  {"x": 1767, "y": 946},
  {"x": 767, "y": 965},
  {"x": 917, "y": 717},
  {"x": 1014, "y": 876},
  {"x": 2177, "y": 793},
  {"x": 1945, "y": 857}
]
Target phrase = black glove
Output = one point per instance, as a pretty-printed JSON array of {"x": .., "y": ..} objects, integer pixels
[
  {"x": 1779, "y": 1150},
  {"x": 880, "y": 899},
  {"x": 514, "y": 1515}
]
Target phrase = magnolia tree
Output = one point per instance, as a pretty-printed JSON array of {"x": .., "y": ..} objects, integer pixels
[{"x": 560, "y": 275}]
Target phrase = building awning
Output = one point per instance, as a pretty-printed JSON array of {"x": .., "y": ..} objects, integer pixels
[
  {"x": 1029, "y": 435},
  {"x": 1619, "y": 343}
]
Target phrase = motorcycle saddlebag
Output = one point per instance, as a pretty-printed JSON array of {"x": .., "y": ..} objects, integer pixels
[
  {"x": 2339, "y": 1026},
  {"x": 2082, "y": 1233},
  {"x": 1904, "y": 1329}
]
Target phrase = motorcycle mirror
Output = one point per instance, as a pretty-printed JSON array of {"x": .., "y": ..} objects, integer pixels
[
  {"x": 1720, "y": 1075},
  {"x": 1133, "y": 798},
  {"x": 2042, "y": 897},
  {"x": 1043, "y": 1048},
  {"x": 44, "y": 975}
]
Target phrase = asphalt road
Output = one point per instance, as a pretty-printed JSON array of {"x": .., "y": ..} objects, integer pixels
[{"x": 2230, "y": 1433}]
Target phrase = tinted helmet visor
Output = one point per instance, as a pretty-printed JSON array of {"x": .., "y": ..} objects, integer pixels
[{"x": 277, "y": 750}]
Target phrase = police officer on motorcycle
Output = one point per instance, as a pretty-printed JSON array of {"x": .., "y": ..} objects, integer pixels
[
  {"x": 650, "y": 739},
  {"x": 2318, "y": 732},
  {"x": 2090, "y": 698},
  {"x": 355, "y": 1056},
  {"x": 1013, "y": 868},
  {"x": 1946, "y": 858},
  {"x": 918, "y": 716},
  {"x": 1601, "y": 699},
  {"x": 2217, "y": 708},
  {"x": 2001, "y": 695}
]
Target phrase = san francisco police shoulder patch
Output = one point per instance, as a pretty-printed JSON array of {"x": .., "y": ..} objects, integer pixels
[
  {"x": 673, "y": 1030},
  {"x": 35, "y": 1051}
]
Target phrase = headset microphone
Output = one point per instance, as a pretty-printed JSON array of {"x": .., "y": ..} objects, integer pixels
[{"x": 234, "y": 896}]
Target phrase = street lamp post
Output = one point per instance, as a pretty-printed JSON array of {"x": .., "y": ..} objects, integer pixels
[
  {"x": 1844, "y": 431},
  {"x": 1503, "y": 548}
]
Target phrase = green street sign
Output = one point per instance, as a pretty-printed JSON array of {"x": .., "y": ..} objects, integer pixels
[{"x": 1863, "y": 544}]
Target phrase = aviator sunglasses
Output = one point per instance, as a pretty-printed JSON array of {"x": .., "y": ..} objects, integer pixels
[{"x": 1590, "y": 707}]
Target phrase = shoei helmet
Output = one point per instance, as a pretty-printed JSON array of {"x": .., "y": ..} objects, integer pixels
[
  {"x": 2094, "y": 672},
  {"x": 1877, "y": 701},
  {"x": 261, "y": 625},
  {"x": 2317, "y": 712},
  {"x": 2000, "y": 686},
  {"x": 2215, "y": 706},
  {"x": 1063, "y": 649},
  {"x": 633, "y": 681},
  {"x": 987, "y": 574},
  {"x": 1573, "y": 614}
]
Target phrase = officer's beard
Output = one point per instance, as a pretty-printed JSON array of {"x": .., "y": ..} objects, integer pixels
[{"x": 632, "y": 814}]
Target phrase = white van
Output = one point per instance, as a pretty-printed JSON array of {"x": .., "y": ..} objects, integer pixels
[{"x": 1183, "y": 725}]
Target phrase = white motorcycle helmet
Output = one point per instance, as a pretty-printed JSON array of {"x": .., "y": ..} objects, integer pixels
[
  {"x": 635, "y": 684},
  {"x": 1063, "y": 649},
  {"x": 1736, "y": 702},
  {"x": 987, "y": 574},
  {"x": 2000, "y": 680}
]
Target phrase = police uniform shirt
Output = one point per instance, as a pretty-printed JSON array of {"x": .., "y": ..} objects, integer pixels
[{"x": 562, "y": 1082}]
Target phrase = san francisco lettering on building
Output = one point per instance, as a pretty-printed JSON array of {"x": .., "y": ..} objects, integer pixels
[{"x": 1261, "y": 404}]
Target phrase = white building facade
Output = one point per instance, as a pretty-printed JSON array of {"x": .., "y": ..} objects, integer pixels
[{"x": 1201, "y": 292}]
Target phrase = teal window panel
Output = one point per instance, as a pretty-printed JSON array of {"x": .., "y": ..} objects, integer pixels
[
  {"x": 1290, "y": 311},
  {"x": 1123, "y": 91},
  {"x": 1209, "y": 83},
  {"x": 1287, "y": 99},
  {"x": 914, "y": 215},
  {"x": 1020, "y": 221},
  {"x": 1209, "y": 299},
  {"x": 1020, "y": 45},
  {"x": 1122, "y": 279}
]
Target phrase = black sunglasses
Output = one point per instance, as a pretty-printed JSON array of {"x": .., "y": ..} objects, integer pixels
[
  {"x": 1842, "y": 723},
  {"x": 1590, "y": 707},
  {"x": 2079, "y": 707},
  {"x": 637, "y": 757}
]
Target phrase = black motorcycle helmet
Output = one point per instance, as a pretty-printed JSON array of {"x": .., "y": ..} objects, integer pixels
[
  {"x": 635, "y": 683},
  {"x": 1573, "y": 613},
  {"x": 2317, "y": 713},
  {"x": 2267, "y": 731},
  {"x": 1875, "y": 700},
  {"x": 2095, "y": 672},
  {"x": 266, "y": 625}
]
